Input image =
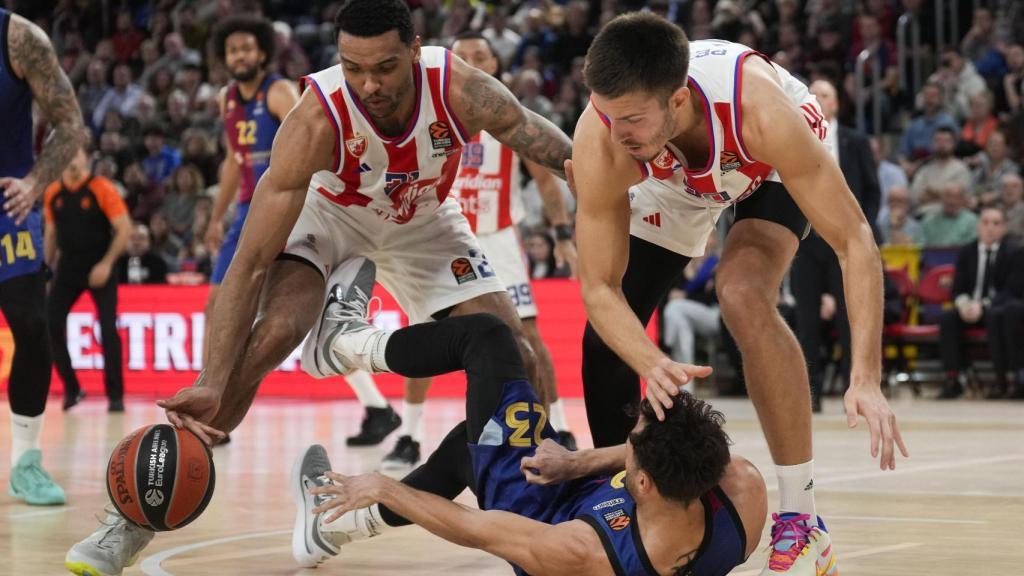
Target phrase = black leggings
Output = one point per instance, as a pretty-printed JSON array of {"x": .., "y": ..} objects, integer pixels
[
  {"x": 609, "y": 385},
  {"x": 23, "y": 301},
  {"x": 486, "y": 349}
]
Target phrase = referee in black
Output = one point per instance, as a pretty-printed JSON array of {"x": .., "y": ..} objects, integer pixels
[{"x": 87, "y": 229}]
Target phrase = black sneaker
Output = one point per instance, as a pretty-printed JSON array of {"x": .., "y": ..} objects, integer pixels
[
  {"x": 377, "y": 424},
  {"x": 405, "y": 455},
  {"x": 116, "y": 405},
  {"x": 70, "y": 400},
  {"x": 567, "y": 440}
]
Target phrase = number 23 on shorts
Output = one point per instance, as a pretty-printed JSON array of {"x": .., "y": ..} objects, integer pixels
[{"x": 517, "y": 417}]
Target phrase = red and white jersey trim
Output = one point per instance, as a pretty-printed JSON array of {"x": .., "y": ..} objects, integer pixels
[
  {"x": 487, "y": 185},
  {"x": 393, "y": 176}
]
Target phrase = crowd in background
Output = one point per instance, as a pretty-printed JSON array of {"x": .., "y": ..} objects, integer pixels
[{"x": 946, "y": 149}]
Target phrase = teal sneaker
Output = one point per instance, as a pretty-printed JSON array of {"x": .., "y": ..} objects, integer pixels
[{"x": 32, "y": 484}]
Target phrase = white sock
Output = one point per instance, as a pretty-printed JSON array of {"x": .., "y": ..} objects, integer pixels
[
  {"x": 358, "y": 524},
  {"x": 366, "y": 390},
  {"x": 412, "y": 420},
  {"x": 377, "y": 357},
  {"x": 556, "y": 415},
  {"x": 25, "y": 433},
  {"x": 796, "y": 489}
]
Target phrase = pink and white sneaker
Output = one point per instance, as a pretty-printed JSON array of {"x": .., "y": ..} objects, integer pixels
[{"x": 799, "y": 548}]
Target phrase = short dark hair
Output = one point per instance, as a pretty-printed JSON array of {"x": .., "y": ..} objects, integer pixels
[
  {"x": 368, "y": 18},
  {"x": 473, "y": 35},
  {"x": 637, "y": 51},
  {"x": 687, "y": 452},
  {"x": 945, "y": 129},
  {"x": 260, "y": 28}
]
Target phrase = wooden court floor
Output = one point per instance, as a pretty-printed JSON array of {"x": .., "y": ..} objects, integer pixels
[{"x": 955, "y": 508}]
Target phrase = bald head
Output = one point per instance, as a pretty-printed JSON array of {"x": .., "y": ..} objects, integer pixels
[{"x": 827, "y": 97}]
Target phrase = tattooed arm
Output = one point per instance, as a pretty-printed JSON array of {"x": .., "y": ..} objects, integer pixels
[
  {"x": 482, "y": 102},
  {"x": 33, "y": 60}
]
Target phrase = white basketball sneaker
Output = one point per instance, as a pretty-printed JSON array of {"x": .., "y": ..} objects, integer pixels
[{"x": 114, "y": 546}]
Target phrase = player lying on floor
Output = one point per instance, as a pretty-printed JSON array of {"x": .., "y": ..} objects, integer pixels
[{"x": 681, "y": 506}]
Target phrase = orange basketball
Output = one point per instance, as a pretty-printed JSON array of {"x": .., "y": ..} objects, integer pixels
[{"x": 160, "y": 477}]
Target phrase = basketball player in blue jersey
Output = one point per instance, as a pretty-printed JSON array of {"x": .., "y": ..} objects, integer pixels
[
  {"x": 670, "y": 500},
  {"x": 252, "y": 107},
  {"x": 29, "y": 71}
]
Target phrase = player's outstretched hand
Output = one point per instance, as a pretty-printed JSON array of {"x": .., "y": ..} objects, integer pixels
[
  {"x": 19, "y": 197},
  {"x": 665, "y": 379},
  {"x": 867, "y": 400},
  {"x": 550, "y": 464},
  {"x": 192, "y": 408},
  {"x": 349, "y": 493}
]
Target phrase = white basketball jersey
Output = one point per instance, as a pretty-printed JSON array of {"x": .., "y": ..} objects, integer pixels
[
  {"x": 488, "y": 185},
  {"x": 393, "y": 177},
  {"x": 716, "y": 78}
]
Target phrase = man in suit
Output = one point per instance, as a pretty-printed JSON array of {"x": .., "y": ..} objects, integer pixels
[
  {"x": 982, "y": 298},
  {"x": 816, "y": 271}
]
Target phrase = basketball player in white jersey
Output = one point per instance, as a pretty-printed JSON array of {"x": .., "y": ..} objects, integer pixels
[
  {"x": 488, "y": 189},
  {"x": 362, "y": 166},
  {"x": 698, "y": 128}
]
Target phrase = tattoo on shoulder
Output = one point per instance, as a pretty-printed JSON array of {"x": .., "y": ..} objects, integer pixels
[
  {"x": 31, "y": 50},
  {"x": 490, "y": 106}
]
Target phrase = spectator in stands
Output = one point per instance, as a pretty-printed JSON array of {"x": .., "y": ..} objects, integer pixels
[
  {"x": 983, "y": 269},
  {"x": 161, "y": 159},
  {"x": 142, "y": 197},
  {"x": 890, "y": 175},
  {"x": 504, "y": 40},
  {"x": 567, "y": 107},
  {"x": 980, "y": 47},
  {"x": 179, "y": 205},
  {"x": 1014, "y": 78},
  {"x": 1011, "y": 188},
  {"x": 92, "y": 92},
  {"x": 86, "y": 232},
  {"x": 692, "y": 307},
  {"x": 528, "y": 88},
  {"x": 140, "y": 265},
  {"x": 953, "y": 225},
  {"x": 178, "y": 118},
  {"x": 190, "y": 81},
  {"x": 980, "y": 124},
  {"x": 149, "y": 53},
  {"x": 199, "y": 150},
  {"x": 990, "y": 167},
  {"x": 121, "y": 97},
  {"x": 540, "y": 253},
  {"x": 574, "y": 39},
  {"x": 176, "y": 54},
  {"x": 428, "y": 20},
  {"x": 165, "y": 243},
  {"x": 960, "y": 80},
  {"x": 534, "y": 33},
  {"x": 160, "y": 86},
  {"x": 127, "y": 39},
  {"x": 917, "y": 141},
  {"x": 899, "y": 227},
  {"x": 942, "y": 170}
]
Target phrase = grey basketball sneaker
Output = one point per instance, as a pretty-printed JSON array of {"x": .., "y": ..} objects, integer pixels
[
  {"x": 346, "y": 339},
  {"x": 310, "y": 546},
  {"x": 114, "y": 546}
]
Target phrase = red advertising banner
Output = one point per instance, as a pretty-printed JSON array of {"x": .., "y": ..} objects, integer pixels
[{"x": 162, "y": 336}]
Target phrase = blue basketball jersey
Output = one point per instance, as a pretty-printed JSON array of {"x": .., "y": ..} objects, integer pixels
[
  {"x": 21, "y": 245},
  {"x": 250, "y": 131},
  {"x": 515, "y": 430}
]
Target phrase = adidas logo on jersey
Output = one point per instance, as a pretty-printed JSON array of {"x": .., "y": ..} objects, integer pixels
[{"x": 654, "y": 219}]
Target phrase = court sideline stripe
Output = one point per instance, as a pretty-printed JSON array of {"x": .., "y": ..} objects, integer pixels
[{"x": 151, "y": 565}]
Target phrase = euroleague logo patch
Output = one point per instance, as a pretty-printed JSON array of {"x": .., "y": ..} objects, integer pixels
[
  {"x": 154, "y": 497},
  {"x": 440, "y": 135},
  {"x": 729, "y": 161},
  {"x": 617, "y": 519},
  {"x": 463, "y": 271}
]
